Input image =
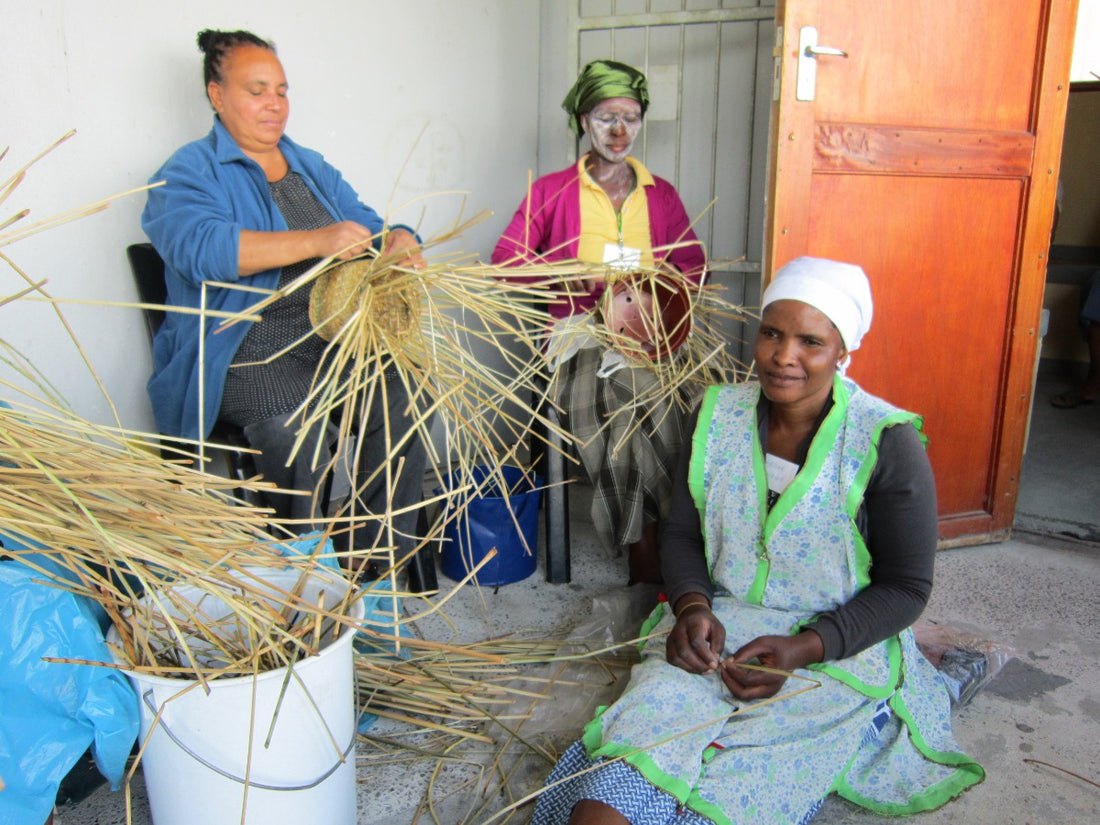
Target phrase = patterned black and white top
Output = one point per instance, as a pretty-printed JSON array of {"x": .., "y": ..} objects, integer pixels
[{"x": 263, "y": 381}]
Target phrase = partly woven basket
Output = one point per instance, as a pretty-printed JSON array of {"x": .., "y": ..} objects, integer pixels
[{"x": 356, "y": 286}]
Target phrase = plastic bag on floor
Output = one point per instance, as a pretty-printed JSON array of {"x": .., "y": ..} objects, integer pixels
[
  {"x": 577, "y": 687},
  {"x": 52, "y": 711},
  {"x": 966, "y": 662}
]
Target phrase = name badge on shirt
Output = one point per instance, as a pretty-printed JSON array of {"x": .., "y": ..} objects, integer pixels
[
  {"x": 622, "y": 257},
  {"x": 780, "y": 472}
]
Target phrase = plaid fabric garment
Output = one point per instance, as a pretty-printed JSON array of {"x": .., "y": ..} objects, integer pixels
[{"x": 629, "y": 453}]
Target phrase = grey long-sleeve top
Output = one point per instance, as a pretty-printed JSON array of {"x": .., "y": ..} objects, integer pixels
[{"x": 897, "y": 521}]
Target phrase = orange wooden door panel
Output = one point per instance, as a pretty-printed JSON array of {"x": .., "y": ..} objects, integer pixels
[
  {"x": 939, "y": 64},
  {"x": 940, "y": 313},
  {"x": 929, "y": 156}
]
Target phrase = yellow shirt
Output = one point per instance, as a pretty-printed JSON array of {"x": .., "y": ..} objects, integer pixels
[{"x": 621, "y": 240}]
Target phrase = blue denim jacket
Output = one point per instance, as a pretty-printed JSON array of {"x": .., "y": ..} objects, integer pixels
[{"x": 211, "y": 192}]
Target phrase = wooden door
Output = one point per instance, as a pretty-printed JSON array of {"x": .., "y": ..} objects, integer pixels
[{"x": 929, "y": 156}]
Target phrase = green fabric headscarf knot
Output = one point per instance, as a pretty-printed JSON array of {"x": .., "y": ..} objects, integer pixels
[{"x": 601, "y": 80}]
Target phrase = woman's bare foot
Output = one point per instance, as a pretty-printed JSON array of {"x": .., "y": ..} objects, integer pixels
[{"x": 591, "y": 812}]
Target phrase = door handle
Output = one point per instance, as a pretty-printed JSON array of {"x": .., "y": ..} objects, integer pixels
[
  {"x": 815, "y": 51},
  {"x": 808, "y": 52}
]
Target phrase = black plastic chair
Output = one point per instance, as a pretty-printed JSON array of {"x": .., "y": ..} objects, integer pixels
[
  {"x": 551, "y": 464},
  {"x": 148, "y": 271},
  {"x": 547, "y": 451}
]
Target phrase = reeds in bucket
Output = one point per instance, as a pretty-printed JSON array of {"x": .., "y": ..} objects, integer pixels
[{"x": 269, "y": 742}]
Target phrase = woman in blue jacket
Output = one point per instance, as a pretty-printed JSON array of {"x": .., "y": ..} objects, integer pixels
[{"x": 248, "y": 207}]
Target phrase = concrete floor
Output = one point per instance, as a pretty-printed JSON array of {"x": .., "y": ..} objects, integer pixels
[{"x": 1038, "y": 594}]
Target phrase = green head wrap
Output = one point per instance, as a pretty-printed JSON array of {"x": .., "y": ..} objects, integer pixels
[{"x": 600, "y": 80}]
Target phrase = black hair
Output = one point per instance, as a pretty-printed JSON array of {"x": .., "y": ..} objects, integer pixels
[{"x": 215, "y": 45}]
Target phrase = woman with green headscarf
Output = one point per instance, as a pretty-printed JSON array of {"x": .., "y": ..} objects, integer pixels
[{"x": 608, "y": 209}]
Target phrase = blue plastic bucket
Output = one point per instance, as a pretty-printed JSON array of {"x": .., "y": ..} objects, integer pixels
[{"x": 488, "y": 520}]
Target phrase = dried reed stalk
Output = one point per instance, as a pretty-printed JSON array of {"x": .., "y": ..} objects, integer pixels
[
  {"x": 127, "y": 529},
  {"x": 9, "y": 236},
  {"x": 460, "y": 684},
  {"x": 425, "y": 325}
]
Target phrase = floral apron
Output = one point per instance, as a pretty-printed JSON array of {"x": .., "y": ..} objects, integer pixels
[{"x": 773, "y": 572}]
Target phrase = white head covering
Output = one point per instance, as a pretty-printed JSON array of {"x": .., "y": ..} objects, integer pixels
[{"x": 840, "y": 291}]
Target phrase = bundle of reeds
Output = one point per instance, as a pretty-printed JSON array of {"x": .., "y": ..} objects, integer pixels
[
  {"x": 435, "y": 324},
  {"x": 465, "y": 345},
  {"x": 128, "y": 520},
  {"x": 97, "y": 511},
  {"x": 480, "y": 716},
  {"x": 661, "y": 320},
  {"x": 653, "y": 318}
]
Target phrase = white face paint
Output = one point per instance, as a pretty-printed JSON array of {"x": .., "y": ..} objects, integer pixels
[{"x": 612, "y": 126}]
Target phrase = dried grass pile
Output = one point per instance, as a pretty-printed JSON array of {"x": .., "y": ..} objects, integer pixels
[
  {"x": 480, "y": 720},
  {"x": 99, "y": 512}
]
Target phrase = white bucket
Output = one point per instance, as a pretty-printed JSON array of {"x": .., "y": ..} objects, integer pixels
[{"x": 302, "y": 767}]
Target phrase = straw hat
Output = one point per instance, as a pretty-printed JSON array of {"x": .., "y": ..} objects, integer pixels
[{"x": 352, "y": 287}]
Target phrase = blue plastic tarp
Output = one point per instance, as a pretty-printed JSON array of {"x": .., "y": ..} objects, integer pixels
[{"x": 50, "y": 712}]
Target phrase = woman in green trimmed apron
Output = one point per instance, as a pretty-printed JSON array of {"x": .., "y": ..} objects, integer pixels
[{"x": 801, "y": 538}]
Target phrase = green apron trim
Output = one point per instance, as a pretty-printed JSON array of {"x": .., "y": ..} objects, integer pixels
[
  {"x": 863, "y": 558},
  {"x": 676, "y": 788},
  {"x": 710, "y": 811},
  {"x": 592, "y": 740},
  {"x": 643, "y": 764},
  {"x": 820, "y": 448},
  {"x": 859, "y": 486},
  {"x": 697, "y": 465},
  {"x": 893, "y": 680},
  {"x": 755, "y": 595},
  {"x": 969, "y": 773},
  {"x": 651, "y": 621},
  {"x": 702, "y": 806}
]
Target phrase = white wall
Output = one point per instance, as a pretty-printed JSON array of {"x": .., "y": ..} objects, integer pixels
[
  {"x": 1086, "y": 42},
  {"x": 367, "y": 77}
]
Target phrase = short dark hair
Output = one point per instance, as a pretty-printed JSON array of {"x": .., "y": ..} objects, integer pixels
[{"x": 215, "y": 45}]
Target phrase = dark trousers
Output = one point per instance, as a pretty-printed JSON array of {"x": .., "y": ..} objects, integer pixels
[{"x": 387, "y": 472}]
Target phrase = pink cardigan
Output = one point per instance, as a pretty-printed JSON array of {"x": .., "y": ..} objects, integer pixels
[{"x": 547, "y": 226}]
